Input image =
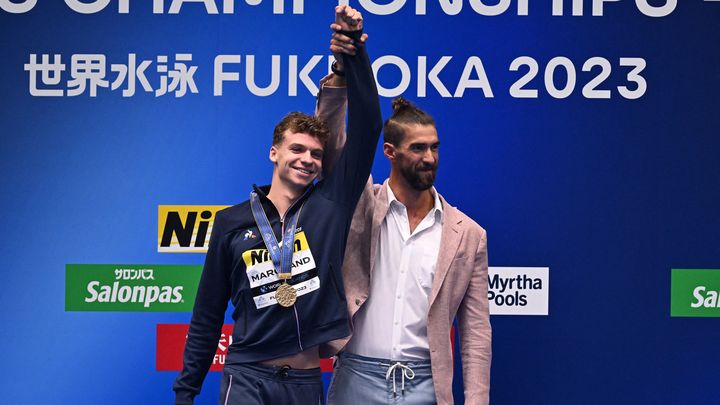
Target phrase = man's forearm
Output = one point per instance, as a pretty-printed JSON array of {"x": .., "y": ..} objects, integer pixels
[
  {"x": 364, "y": 119},
  {"x": 330, "y": 108},
  {"x": 352, "y": 170},
  {"x": 364, "y": 106}
]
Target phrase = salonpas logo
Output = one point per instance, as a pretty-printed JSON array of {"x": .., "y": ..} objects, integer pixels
[
  {"x": 695, "y": 293},
  {"x": 131, "y": 288}
]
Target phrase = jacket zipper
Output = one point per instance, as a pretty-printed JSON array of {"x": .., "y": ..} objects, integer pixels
[
  {"x": 297, "y": 322},
  {"x": 227, "y": 394},
  {"x": 282, "y": 230}
]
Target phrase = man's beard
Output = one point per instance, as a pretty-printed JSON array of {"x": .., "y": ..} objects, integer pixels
[{"x": 420, "y": 177}]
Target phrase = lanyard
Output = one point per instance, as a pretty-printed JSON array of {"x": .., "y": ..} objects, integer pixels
[{"x": 280, "y": 253}]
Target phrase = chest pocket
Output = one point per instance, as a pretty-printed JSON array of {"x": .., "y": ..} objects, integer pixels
[{"x": 424, "y": 271}]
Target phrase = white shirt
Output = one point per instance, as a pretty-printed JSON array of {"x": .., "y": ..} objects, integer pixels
[{"x": 393, "y": 322}]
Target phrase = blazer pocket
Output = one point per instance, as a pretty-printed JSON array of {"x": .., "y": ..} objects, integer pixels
[
  {"x": 461, "y": 256},
  {"x": 462, "y": 260}
]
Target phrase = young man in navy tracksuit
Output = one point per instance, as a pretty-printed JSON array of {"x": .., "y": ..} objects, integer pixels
[{"x": 288, "y": 301}]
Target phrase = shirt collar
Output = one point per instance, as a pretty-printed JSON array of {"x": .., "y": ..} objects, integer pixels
[{"x": 437, "y": 205}]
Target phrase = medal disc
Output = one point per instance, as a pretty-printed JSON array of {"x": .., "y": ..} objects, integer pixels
[{"x": 286, "y": 295}]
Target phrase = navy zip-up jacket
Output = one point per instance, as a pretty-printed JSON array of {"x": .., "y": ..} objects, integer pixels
[{"x": 238, "y": 267}]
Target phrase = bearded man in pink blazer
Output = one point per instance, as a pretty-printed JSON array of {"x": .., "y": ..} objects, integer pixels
[{"x": 412, "y": 264}]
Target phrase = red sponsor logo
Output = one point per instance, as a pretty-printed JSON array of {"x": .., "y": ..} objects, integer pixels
[{"x": 170, "y": 344}]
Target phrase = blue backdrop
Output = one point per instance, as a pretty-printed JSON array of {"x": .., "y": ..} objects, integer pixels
[{"x": 609, "y": 193}]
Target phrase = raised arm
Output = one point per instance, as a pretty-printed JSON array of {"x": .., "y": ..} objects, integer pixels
[
  {"x": 330, "y": 108},
  {"x": 352, "y": 169},
  {"x": 332, "y": 98}
]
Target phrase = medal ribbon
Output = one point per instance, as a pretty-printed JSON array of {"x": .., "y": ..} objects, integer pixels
[{"x": 280, "y": 253}]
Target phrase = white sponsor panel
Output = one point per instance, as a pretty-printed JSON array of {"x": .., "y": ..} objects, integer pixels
[
  {"x": 518, "y": 290},
  {"x": 265, "y": 273},
  {"x": 263, "y": 276},
  {"x": 265, "y": 300}
]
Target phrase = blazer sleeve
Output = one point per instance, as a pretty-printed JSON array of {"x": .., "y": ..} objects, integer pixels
[
  {"x": 349, "y": 175},
  {"x": 330, "y": 108},
  {"x": 475, "y": 331}
]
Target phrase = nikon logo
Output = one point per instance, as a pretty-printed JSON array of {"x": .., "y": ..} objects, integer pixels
[
  {"x": 131, "y": 288},
  {"x": 694, "y": 293},
  {"x": 185, "y": 228},
  {"x": 262, "y": 255}
]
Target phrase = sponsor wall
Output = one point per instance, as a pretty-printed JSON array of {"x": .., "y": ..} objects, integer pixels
[{"x": 583, "y": 135}]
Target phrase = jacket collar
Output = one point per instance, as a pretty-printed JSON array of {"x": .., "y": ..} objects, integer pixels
[{"x": 262, "y": 192}]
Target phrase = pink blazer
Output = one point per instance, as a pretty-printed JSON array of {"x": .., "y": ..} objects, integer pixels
[{"x": 459, "y": 288}]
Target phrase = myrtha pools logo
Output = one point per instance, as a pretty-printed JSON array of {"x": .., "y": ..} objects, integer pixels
[{"x": 518, "y": 290}]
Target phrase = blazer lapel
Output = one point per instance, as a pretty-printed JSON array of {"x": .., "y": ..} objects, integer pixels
[
  {"x": 379, "y": 212},
  {"x": 452, "y": 232}
]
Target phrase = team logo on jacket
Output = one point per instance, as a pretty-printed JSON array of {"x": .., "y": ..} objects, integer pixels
[{"x": 263, "y": 277}]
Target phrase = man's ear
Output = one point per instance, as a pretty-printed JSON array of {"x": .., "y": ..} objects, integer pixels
[
  {"x": 389, "y": 151},
  {"x": 273, "y": 154}
]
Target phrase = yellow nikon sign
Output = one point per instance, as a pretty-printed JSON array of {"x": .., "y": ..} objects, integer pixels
[{"x": 185, "y": 228}]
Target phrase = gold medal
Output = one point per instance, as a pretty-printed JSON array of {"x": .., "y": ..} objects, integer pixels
[{"x": 286, "y": 295}]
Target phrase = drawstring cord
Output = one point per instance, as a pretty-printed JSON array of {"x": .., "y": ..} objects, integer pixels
[{"x": 407, "y": 372}]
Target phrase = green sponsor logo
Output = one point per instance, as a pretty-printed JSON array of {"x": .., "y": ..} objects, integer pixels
[
  {"x": 131, "y": 288},
  {"x": 695, "y": 293}
]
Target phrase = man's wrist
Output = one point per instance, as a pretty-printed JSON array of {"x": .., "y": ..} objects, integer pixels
[
  {"x": 355, "y": 35},
  {"x": 338, "y": 68},
  {"x": 336, "y": 81}
]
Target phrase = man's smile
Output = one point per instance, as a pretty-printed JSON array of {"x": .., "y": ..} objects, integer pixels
[{"x": 304, "y": 171}]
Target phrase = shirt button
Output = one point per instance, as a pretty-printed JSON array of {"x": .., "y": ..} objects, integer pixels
[
  {"x": 357, "y": 301},
  {"x": 399, "y": 296}
]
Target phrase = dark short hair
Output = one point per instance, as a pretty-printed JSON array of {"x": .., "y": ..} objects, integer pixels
[
  {"x": 404, "y": 113},
  {"x": 298, "y": 122}
]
